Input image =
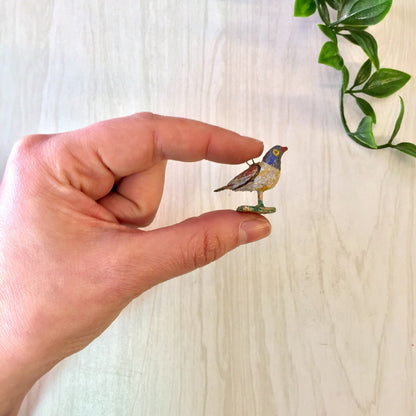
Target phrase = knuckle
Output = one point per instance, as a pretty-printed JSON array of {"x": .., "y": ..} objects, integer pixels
[
  {"x": 27, "y": 153},
  {"x": 27, "y": 144},
  {"x": 27, "y": 157},
  {"x": 205, "y": 250},
  {"x": 146, "y": 116}
]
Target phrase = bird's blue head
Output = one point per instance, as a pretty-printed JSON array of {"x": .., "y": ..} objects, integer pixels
[{"x": 273, "y": 156}]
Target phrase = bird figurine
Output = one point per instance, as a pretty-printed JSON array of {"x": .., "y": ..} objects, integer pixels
[{"x": 259, "y": 177}]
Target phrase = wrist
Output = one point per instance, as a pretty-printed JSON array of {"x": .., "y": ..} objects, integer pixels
[
  {"x": 21, "y": 363},
  {"x": 21, "y": 366},
  {"x": 15, "y": 382}
]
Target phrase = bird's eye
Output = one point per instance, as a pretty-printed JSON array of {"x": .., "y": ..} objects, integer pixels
[{"x": 276, "y": 152}]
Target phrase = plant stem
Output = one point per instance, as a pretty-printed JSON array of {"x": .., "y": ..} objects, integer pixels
[
  {"x": 342, "y": 112},
  {"x": 384, "y": 146}
]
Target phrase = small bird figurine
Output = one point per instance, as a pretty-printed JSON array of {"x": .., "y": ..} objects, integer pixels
[{"x": 258, "y": 177}]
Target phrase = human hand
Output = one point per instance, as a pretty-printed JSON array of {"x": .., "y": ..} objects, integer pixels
[{"x": 68, "y": 262}]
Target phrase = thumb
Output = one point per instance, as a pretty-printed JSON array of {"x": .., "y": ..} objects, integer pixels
[{"x": 155, "y": 256}]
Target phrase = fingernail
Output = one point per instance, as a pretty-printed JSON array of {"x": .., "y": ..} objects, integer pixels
[{"x": 253, "y": 230}]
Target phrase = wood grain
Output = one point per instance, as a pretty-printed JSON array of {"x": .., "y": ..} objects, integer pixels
[{"x": 318, "y": 319}]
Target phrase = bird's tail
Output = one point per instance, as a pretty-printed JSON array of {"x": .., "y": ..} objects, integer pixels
[{"x": 221, "y": 189}]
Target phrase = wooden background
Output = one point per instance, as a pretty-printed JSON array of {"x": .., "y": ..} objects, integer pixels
[{"x": 318, "y": 319}]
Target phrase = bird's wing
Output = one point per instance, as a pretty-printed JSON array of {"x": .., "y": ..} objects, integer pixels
[{"x": 244, "y": 177}]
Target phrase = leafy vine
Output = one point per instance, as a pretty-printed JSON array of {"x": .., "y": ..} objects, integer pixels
[{"x": 352, "y": 18}]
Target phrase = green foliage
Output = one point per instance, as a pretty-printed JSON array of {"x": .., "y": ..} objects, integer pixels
[
  {"x": 398, "y": 121},
  {"x": 405, "y": 147},
  {"x": 366, "y": 108},
  {"x": 363, "y": 73},
  {"x": 367, "y": 43},
  {"x": 329, "y": 32},
  {"x": 363, "y": 12},
  {"x": 345, "y": 79},
  {"x": 335, "y": 4},
  {"x": 304, "y": 8},
  {"x": 352, "y": 20},
  {"x": 330, "y": 56},
  {"x": 364, "y": 133},
  {"x": 385, "y": 82}
]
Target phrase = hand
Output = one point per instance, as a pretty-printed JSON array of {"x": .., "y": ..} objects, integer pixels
[{"x": 68, "y": 262}]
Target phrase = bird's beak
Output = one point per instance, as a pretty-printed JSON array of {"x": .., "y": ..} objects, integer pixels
[{"x": 283, "y": 149}]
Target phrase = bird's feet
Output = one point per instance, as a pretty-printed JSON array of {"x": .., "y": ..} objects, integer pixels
[{"x": 259, "y": 208}]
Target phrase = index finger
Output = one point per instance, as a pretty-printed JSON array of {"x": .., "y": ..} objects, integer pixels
[{"x": 132, "y": 144}]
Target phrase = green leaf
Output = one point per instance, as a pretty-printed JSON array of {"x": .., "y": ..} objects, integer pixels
[
  {"x": 368, "y": 44},
  {"x": 351, "y": 39},
  {"x": 364, "y": 134},
  {"x": 366, "y": 108},
  {"x": 330, "y": 56},
  {"x": 335, "y": 4},
  {"x": 323, "y": 11},
  {"x": 363, "y": 12},
  {"x": 363, "y": 73},
  {"x": 304, "y": 8},
  {"x": 406, "y": 147},
  {"x": 327, "y": 31},
  {"x": 385, "y": 82},
  {"x": 346, "y": 6},
  {"x": 398, "y": 121},
  {"x": 345, "y": 78}
]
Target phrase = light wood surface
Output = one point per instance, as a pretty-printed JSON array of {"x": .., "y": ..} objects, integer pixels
[{"x": 318, "y": 319}]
